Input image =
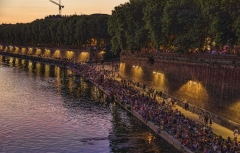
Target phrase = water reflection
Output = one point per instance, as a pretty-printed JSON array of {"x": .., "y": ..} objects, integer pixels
[{"x": 52, "y": 111}]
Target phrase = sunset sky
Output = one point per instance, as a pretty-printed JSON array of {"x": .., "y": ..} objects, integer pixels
[{"x": 24, "y": 11}]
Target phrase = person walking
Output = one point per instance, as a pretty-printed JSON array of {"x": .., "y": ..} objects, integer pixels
[
  {"x": 235, "y": 133},
  {"x": 206, "y": 120},
  {"x": 210, "y": 122},
  {"x": 200, "y": 117}
]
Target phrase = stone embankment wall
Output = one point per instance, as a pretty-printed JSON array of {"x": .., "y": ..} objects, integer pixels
[{"x": 209, "y": 83}]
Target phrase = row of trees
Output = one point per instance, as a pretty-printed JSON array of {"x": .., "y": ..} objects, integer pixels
[
  {"x": 73, "y": 31},
  {"x": 174, "y": 24},
  {"x": 136, "y": 25}
]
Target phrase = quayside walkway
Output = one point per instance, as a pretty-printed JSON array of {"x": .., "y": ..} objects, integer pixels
[
  {"x": 217, "y": 129},
  {"x": 220, "y": 133}
]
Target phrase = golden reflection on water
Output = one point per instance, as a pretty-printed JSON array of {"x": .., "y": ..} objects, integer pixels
[
  {"x": 149, "y": 138},
  {"x": 70, "y": 85},
  {"x": 30, "y": 66},
  {"x": 38, "y": 69},
  {"x": 57, "y": 73},
  {"x": 23, "y": 62},
  {"x": 17, "y": 61},
  {"x": 47, "y": 70}
]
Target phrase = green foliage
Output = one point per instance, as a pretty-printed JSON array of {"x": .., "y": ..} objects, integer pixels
[
  {"x": 153, "y": 16},
  {"x": 73, "y": 31},
  {"x": 184, "y": 25},
  {"x": 127, "y": 28}
]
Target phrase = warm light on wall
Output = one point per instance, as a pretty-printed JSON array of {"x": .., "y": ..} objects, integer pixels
[
  {"x": 47, "y": 53},
  {"x": 192, "y": 82},
  {"x": 154, "y": 72},
  {"x": 70, "y": 54},
  {"x": 102, "y": 52},
  {"x": 136, "y": 66},
  {"x": 30, "y": 51},
  {"x": 16, "y": 51},
  {"x": 11, "y": 48},
  {"x": 23, "y": 50},
  {"x": 57, "y": 54},
  {"x": 6, "y": 48},
  {"x": 193, "y": 90},
  {"x": 38, "y": 51},
  {"x": 159, "y": 80},
  {"x": 84, "y": 56},
  {"x": 137, "y": 73}
]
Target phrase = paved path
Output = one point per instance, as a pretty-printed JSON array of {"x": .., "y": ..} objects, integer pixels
[{"x": 216, "y": 128}]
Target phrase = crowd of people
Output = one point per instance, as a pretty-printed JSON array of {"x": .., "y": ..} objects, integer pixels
[{"x": 197, "y": 137}]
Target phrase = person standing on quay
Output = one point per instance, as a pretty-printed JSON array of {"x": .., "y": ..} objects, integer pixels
[
  {"x": 210, "y": 122},
  {"x": 235, "y": 133}
]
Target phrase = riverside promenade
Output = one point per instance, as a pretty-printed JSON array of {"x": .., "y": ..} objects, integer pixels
[{"x": 217, "y": 129}]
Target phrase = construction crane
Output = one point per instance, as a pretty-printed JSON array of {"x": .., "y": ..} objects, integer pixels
[{"x": 59, "y": 5}]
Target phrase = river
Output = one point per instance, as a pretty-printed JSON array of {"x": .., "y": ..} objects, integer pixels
[{"x": 44, "y": 109}]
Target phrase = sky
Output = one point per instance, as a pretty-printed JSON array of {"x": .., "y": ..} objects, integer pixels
[{"x": 26, "y": 11}]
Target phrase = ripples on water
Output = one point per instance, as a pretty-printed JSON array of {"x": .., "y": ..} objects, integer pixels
[{"x": 42, "y": 109}]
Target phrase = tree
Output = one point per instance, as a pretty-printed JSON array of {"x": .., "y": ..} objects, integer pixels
[
  {"x": 127, "y": 28},
  {"x": 184, "y": 25},
  {"x": 153, "y": 16}
]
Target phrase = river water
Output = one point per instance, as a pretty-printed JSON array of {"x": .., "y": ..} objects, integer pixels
[{"x": 43, "y": 109}]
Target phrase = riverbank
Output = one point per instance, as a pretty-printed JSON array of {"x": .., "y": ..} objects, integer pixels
[
  {"x": 155, "y": 128},
  {"x": 145, "y": 108},
  {"x": 219, "y": 132}
]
